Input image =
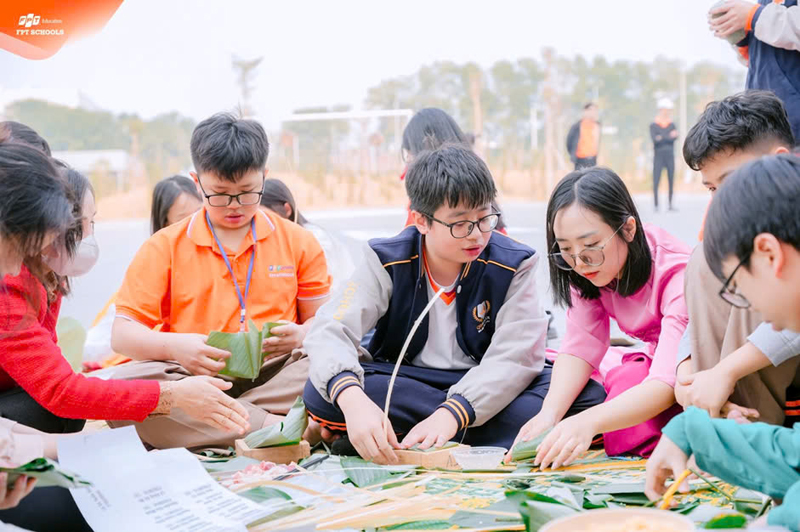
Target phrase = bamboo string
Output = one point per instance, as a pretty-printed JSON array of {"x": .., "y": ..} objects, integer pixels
[{"x": 402, "y": 356}]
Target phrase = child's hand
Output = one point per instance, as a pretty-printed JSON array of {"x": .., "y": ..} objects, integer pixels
[
  {"x": 365, "y": 428},
  {"x": 739, "y": 414},
  {"x": 198, "y": 358},
  {"x": 436, "y": 430},
  {"x": 673, "y": 134},
  {"x": 21, "y": 488},
  {"x": 538, "y": 424},
  {"x": 733, "y": 20},
  {"x": 708, "y": 390},
  {"x": 285, "y": 338},
  {"x": 668, "y": 460},
  {"x": 681, "y": 391},
  {"x": 566, "y": 442}
]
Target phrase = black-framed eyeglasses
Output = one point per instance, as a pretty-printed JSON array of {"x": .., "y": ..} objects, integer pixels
[
  {"x": 243, "y": 198},
  {"x": 731, "y": 296},
  {"x": 464, "y": 228},
  {"x": 590, "y": 256}
]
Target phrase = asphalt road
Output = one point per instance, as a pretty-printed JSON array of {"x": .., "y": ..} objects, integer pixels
[{"x": 119, "y": 241}]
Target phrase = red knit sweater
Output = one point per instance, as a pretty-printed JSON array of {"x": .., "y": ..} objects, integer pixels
[{"x": 31, "y": 359}]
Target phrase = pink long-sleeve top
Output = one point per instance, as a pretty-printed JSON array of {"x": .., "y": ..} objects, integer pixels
[{"x": 656, "y": 314}]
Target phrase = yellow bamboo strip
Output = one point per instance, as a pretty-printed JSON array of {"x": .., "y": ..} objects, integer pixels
[{"x": 673, "y": 489}]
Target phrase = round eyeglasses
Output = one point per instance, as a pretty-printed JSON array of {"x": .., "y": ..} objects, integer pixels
[
  {"x": 590, "y": 256},
  {"x": 730, "y": 295},
  {"x": 464, "y": 228}
]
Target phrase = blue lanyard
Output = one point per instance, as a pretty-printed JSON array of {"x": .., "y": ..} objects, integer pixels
[{"x": 242, "y": 299}]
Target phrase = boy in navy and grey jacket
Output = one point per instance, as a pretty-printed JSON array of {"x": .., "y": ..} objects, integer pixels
[{"x": 475, "y": 368}]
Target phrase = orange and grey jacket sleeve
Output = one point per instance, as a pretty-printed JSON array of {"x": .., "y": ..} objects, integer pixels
[
  {"x": 461, "y": 410},
  {"x": 340, "y": 383},
  {"x": 752, "y": 17}
]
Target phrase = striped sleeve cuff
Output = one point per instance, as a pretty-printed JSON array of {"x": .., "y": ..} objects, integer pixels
[
  {"x": 461, "y": 410},
  {"x": 341, "y": 382},
  {"x": 752, "y": 17}
]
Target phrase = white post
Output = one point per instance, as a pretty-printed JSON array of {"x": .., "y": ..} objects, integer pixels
[
  {"x": 534, "y": 127},
  {"x": 684, "y": 124}
]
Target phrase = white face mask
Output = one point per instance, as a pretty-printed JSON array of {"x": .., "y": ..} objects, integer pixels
[{"x": 84, "y": 259}]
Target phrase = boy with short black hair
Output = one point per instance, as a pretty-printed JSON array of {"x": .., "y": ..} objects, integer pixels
[
  {"x": 728, "y": 365},
  {"x": 752, "y": 245},
  {"x": 475, "y": 369},
  {"x": 733, "y": 131},
  {"x": 229, "y": 263}
]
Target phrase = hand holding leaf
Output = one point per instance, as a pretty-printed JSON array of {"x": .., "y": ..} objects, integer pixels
[
  {"x": 287, "y": 432},
  {"x": 535, "y": 429},
  {"x": 245, "y": 348},
  {"x": 197, "y": 355},
  {"x": 285, "y": 337}
]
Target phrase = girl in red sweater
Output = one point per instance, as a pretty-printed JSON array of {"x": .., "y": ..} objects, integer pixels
[{"x": 39, "y": 388}]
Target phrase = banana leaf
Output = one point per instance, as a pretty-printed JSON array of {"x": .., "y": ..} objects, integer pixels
[
  {"x": 747, "y": 502},
  {"x": 631, "y": 499},
  {"x": 48, "y": 473},
  {"x": 259, "y": 494},
  {"x": 528, "y": 495},
  {"x": 571, "y": 479},
  {"x": 475, "y": 520},
  {"x": 570, "y": 495},
  {"x": 247, "y": 355},
  {"x": 727, "y": 521},
  {"x": 685, "y": 508},
  {"x": 537, "y": 510},
  {"x": 536, "y": 514},
  {"x": 525, "y": 450},
  {"x": 593, "y": 502},
  {"x": 362, "y": 473},
  {"x": 287, "y": 432}
]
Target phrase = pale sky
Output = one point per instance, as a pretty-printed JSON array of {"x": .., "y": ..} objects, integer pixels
[{"x": 157, "y": 56}]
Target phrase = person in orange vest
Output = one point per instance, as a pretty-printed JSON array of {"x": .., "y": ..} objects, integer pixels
[
  {"x": 583, "y": 139},
  {"x": 663, "y": 133}
]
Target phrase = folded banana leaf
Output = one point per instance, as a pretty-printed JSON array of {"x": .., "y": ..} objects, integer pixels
[
  {"x": 247, "y": 355},
  {"x": 287, "y": 432},
  {"x": 48, "y": 473},
  {"x": 526, "y": 450},
  {"x": 537, "y": 510}
]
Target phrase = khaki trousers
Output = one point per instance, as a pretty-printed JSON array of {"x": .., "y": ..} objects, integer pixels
[{"x": 266, "y": 400}]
